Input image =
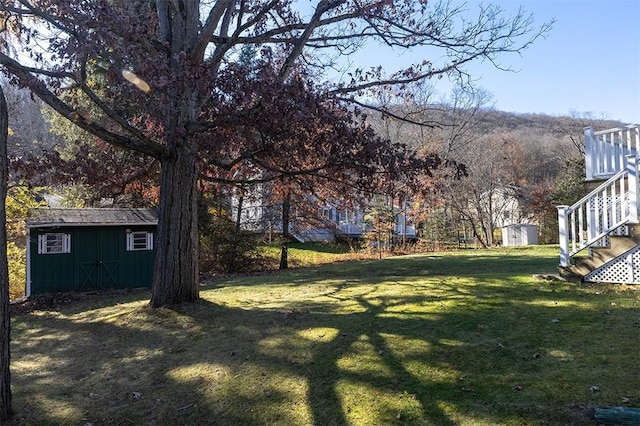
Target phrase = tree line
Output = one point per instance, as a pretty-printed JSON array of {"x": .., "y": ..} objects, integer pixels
[{"x": 536, "y": 159}]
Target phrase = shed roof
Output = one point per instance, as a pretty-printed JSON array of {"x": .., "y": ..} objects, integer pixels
[{"x": 42, "y": 217}]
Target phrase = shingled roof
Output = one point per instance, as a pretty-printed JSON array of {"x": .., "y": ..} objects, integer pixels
[{"x": 42, "y": 217}]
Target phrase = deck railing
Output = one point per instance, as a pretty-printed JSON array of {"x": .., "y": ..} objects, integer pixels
[
  {"x": 405, "y": 230},
  {"x": 351, "y": 229},
  {"x": 606, "y": 150},
  {"x": 604, "y": 210}
]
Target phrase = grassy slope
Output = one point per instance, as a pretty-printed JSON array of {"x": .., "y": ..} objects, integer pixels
[{"x": 463, "y": 338}]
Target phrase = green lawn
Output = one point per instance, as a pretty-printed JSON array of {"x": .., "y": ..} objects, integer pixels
[{"x": 463, "y": 338}]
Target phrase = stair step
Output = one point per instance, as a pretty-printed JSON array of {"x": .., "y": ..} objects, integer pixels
[{"x": 618, "y": 245}]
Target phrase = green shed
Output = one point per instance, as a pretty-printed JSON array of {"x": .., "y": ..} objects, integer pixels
[{"x": 89, "y": 249}]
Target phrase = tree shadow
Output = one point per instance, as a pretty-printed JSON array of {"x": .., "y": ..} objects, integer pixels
[
  {"x": 377, "y": 271},
  {"x": 412, "y": 356}
]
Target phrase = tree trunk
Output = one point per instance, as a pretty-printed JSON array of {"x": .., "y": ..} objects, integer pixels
[
  {"x": 284, "y": 255},
  {"x": 6, "y": 408},
  {"x": 236, "y": 234},
  {"x": 175, "y": 277},
  {"x": 284, "y": 252}
]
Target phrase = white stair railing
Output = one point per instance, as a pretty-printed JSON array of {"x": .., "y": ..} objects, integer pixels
[
  {"x": 606, "y": 150},
  {"x": 602, "y": 211}
]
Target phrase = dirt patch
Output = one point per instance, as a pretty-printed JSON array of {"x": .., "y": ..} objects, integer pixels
[
  {"x": 49, "y": 302},
  {"x": 581, "y": 414},
  {"x": 55, "y": 301}
]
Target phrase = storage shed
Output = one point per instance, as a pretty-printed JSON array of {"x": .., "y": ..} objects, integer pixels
[
  {"x": 519, "y": 234},
  {"x": 89, "y": 249}
]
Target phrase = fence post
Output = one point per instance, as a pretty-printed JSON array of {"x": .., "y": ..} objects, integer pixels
[
  {"x": 563, "y": 227},
  {"x": 632, "y": 176},
  {"x": 589, "y": 151}
]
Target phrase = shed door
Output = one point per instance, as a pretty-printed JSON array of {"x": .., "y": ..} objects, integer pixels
[
  {"x": 99, "y": 259},
  {"x": 519, "y": 237}
]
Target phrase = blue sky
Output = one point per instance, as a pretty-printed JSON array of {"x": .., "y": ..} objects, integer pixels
[{"x": 588, "y": 63}]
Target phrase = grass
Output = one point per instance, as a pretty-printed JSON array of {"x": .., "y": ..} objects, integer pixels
[
  {"x": 304, "y": 255},
  {"x": 464, "y": 338}
]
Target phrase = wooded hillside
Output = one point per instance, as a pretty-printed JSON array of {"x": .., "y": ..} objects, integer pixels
[{"x": 536, "y": 159}]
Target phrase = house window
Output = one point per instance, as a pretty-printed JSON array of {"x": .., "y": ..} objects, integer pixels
[
  {"x": 139, "y": 240},
  {"x": 343, "y": 217},
  {"x": 54, "y": 243},
  {"x": 324, "y": 212}
]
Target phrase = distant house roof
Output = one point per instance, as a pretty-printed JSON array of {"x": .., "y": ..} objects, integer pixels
[{"x": 43, "y": 217}]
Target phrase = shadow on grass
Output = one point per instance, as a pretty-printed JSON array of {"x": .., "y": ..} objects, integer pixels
[
  {"x": 377, "y": 271},
  {"x": 361, "y": 354}
]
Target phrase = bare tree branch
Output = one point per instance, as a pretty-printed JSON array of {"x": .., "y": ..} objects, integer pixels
[{"x": 28, "y": 79}]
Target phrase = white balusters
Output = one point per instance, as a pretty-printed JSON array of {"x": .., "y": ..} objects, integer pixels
[
  {"x": 606, "y": 150},
  {"x": 606, "y": 209}
]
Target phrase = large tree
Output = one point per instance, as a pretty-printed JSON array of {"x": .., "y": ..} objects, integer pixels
[{"x": 152, "y": 73}]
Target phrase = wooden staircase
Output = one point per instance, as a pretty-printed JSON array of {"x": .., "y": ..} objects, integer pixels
[
  {"x": 600, "y": 234},
  {"x": 598, "y": 257}
]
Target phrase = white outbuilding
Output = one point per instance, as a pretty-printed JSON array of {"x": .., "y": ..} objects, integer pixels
[{"x": 519, "y": 234}]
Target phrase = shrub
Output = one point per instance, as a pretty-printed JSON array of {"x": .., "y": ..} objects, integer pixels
[{"x": 223, "y": 247}]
